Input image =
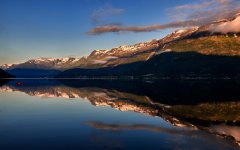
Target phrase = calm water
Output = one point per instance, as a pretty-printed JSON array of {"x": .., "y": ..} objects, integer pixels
[{"x": 74, "y": 114}]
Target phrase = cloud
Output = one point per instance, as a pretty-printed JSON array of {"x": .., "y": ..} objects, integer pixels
[
  {"x": 114, "y": 127},
  {"x": 194, "y": 6},
  {"x": 233, "y": 26},
  {"x": 200, "y": 13},
  {"x": 105, "y": 60},
  {"x": 207, "y": 7},
  {"x": 104, "y": 29},
  {"x": 103, "y": 14}
]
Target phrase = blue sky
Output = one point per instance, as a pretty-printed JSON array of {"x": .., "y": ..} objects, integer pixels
[{"x": 58, "y": 28}]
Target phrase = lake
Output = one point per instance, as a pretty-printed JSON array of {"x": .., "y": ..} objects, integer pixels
[{"x": 112, "y": 114}]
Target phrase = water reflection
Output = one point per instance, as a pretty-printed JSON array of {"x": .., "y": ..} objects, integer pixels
[
  {"x": 3, "y": 81},
  {"x": 116, "y": 127},
  {"x": 212, "y": 106},
  {"x": 221, "y": 130}
]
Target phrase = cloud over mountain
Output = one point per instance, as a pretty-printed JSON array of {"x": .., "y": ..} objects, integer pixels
[
  {"x": 233, "y": 26},
  {"x": 200, "y": 13}
]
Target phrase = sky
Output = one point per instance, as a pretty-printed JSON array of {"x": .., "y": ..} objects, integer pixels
[{"x": 73, "y": 28}]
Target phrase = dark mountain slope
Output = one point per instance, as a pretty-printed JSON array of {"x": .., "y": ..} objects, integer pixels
[
  {"x": 4, "y": 74},
  {"x": 34, "y": 73},
  {"x": 168, "y": 64}
]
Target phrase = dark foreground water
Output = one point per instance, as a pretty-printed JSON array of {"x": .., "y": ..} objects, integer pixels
[{"x": 81, "y": 114}]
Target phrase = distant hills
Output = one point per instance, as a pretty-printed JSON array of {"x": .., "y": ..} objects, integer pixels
[{"x": 197, "y": 51}]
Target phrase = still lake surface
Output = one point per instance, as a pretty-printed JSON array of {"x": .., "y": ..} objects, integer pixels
[{"x": 101, "y": 114}]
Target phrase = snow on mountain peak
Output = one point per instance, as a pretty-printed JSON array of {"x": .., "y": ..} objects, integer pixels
[
  {"x": 65, "y": 59},
  {"x": 44, "y": 62},
  {"x": 6, "y": 66},
  {"x": 180, "y": 31},
  {"x": 101, "y": 51}
]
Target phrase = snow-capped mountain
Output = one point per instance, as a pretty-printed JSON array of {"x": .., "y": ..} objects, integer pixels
[
  {"x": 187, "y": 39},
  {"x": 44, "y": 63},
  {"x": 98, "y": 58},
  {"x": 6, "y": 66}
]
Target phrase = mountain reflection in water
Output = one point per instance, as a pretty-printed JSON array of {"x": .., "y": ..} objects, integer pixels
[{"x": 212, "y": 106}]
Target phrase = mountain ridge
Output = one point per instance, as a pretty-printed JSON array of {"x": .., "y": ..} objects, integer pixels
[{"x": 207, "y": 40}]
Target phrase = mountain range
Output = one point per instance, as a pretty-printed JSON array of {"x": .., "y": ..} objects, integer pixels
[{"x": 209, "y": 46}]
